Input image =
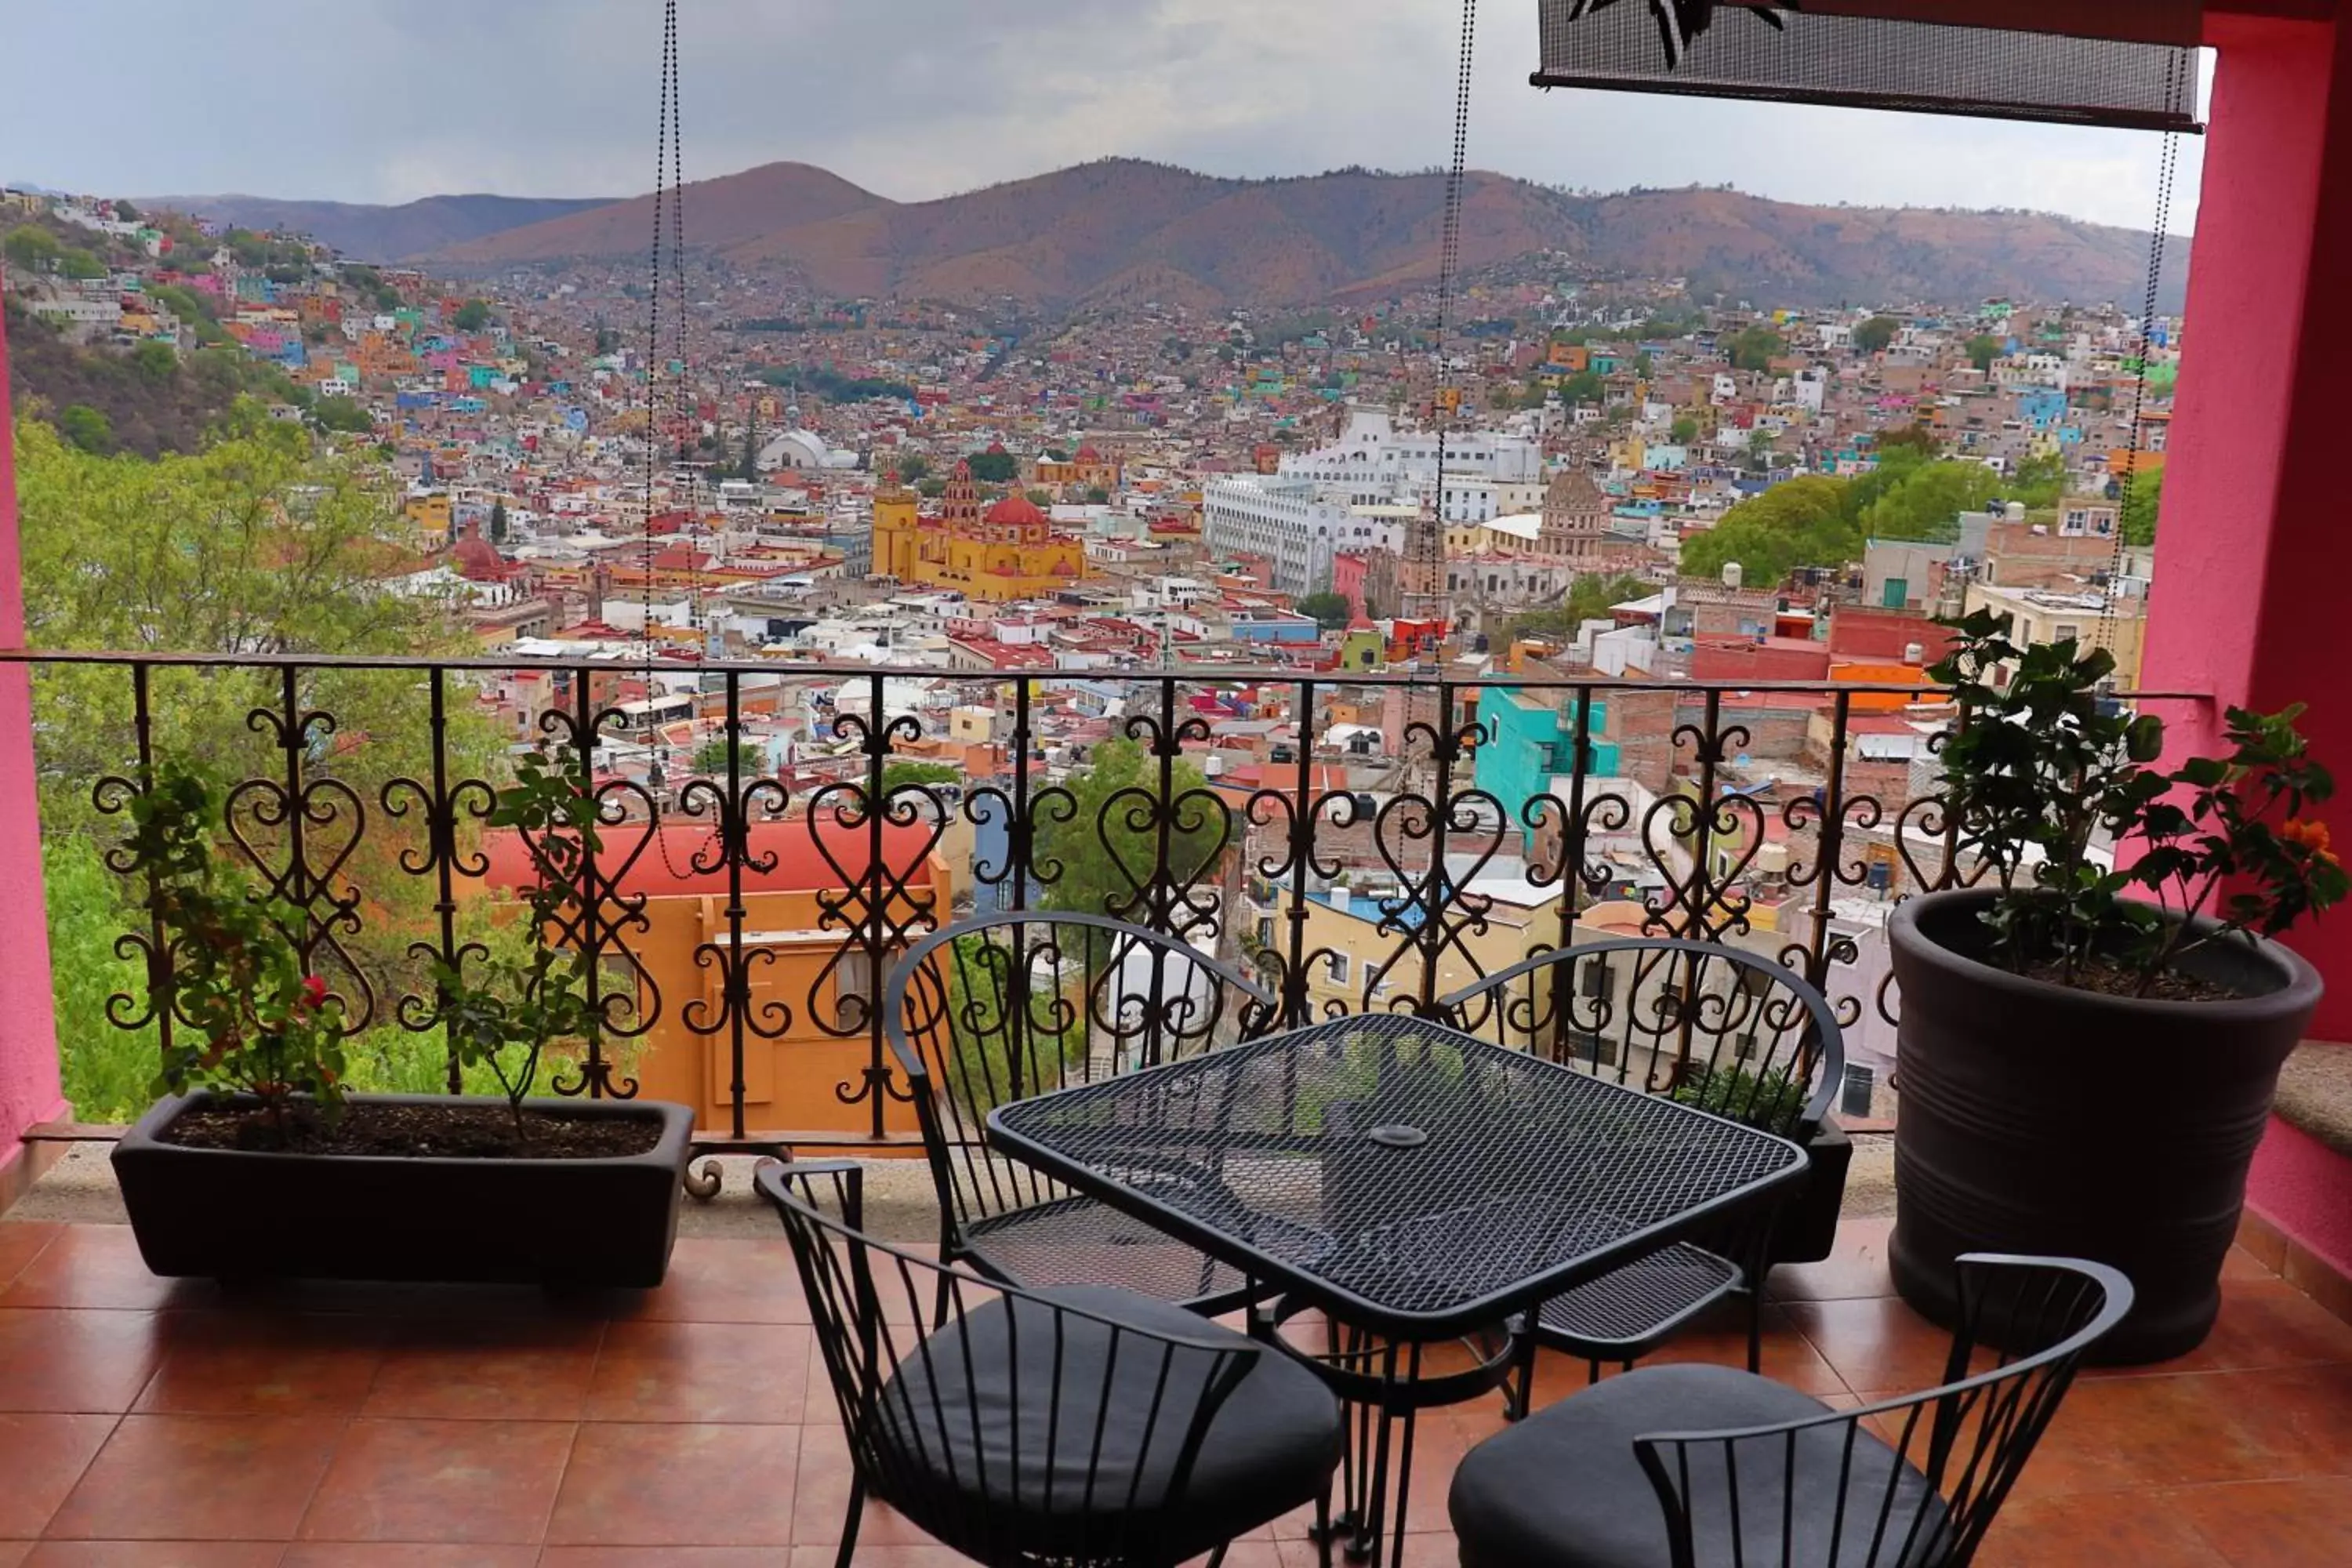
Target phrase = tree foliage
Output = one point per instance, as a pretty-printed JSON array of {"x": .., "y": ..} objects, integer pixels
[
  {"x": 1589, "y": 598},
  {"x": 1926, "y": 502},
  {"x": 1684, "y": 431},
  {"x": 1983, "y": 349},
  {"x": 1110, "y": 840},
  {"x": 994, "y": 467},
  {"x": 1331, "y": 611},
  {"x": 87, "y": 429},
  {"x": 1755, "y": 348},
  {"x": 1804, "y": 523},
  {"x": 1874, "y": 335},
  {"x": 472, "y": 316},
  {"x": 31, "y": 247},
  {"x": 343, "y": 414},
  {"x": 2143, "y": 499}
]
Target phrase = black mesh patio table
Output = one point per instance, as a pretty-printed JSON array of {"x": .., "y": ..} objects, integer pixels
[{"x": 1414, "y": 1183}]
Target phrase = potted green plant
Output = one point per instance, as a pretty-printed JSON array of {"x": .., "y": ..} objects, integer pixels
[
  {"x": 259, "y": 1162},
  {"x": 2091, "y": 1034}
]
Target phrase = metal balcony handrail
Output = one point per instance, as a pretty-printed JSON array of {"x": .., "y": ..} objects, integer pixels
[{"x": 1185, "y": 849}]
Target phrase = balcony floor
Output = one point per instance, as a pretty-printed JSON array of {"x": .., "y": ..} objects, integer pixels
[{"x": 145, "y": 1422}]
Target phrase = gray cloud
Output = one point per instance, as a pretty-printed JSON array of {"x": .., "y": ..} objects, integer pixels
[{"x": 391, "y": 100}]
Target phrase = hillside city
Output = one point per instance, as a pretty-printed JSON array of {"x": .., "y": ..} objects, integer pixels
[{"x": 1625, "y": 480}]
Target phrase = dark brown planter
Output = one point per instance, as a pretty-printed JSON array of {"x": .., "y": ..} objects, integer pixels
[
  {"x": 2040, "y": 1120},
  {"x": 235, "y": 1215}
]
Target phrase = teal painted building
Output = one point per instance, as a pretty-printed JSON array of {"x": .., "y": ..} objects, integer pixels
[{"x": 1531, "y": 741}]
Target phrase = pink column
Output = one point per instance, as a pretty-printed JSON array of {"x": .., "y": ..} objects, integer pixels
[
  {"x": 28, "y": 1036},
  {"x": 2247, "y": 602}
]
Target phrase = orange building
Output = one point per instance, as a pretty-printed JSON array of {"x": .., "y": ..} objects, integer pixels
[
  {"x": 797, "y": 965},
  {"x": 1012, "y": 551}
]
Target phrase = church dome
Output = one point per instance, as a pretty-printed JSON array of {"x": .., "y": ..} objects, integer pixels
[
  {"x": 478, "y": 559},
  {"x": 1016, "y": 510}
]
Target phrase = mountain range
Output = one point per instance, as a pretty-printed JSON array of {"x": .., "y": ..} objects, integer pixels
[
  {"x": 381, "y": 234},
  {"x": 1124, "y": 231}
]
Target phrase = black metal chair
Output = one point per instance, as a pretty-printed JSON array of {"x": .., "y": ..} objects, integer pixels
[
  {"x": 1082, "y": 1425},
  {"x": 1728, "y": 1031},
  {"x": 996, "y": 1010},
  {"x": 1745, "y": 1473}
]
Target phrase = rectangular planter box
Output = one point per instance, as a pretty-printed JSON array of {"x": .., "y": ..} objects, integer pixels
[{"x": 230, "y": 1214}]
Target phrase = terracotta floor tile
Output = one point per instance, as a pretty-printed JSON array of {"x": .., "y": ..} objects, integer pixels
[
  {"x": 867, "y": 1557},
  {"x": 99, "y": 1265},
  {"x": 21, "y": 1241},
  {"x": 441, "y": 1481},
  {"x": 2095, "y": 1529},
  {"x": 2242, "y": 1264},
  {"x": 1855, "y": 1269},
  {"x": 55, "y": 1359},
  {"x": 693, "y": 1557},
  {"x": 2264, "y": 1322},
  {"x": 199, "y": 1477},
  {"x": 2272, "y": 1524},
  {"x": 2114, "y": 1434},
  {"x": 1873, "y": 1345},
  {"x": 41, "y": 1457},
  {"x": 156, "y": 1554},
  {"x": 404, "y": 1554},
  {"x": 725, "y": 1280},
  {"x": 2304, "y": 1411},
  {"x": 238, "y": 1364},
  {"x": 498, "y": 1369},
  {"x": 652, "y": 1485},
  {"x": 658, "y": 1370},
  {"x": 820, "y": 1499},
  {"x": 13, "y": 1553}
]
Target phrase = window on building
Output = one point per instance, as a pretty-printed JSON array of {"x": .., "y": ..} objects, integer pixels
[
  {"x": 2065, "y": 631},
  {"x": 1340, "y": 968}
]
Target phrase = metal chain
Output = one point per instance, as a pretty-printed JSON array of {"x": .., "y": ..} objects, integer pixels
[
  {"x": 1427, "y": 547},
  {"x": 2168, "y": 169}
]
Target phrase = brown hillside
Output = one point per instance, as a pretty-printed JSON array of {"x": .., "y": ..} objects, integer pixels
[
  {"x": 718, "y": 212},
  {"x": 1103, "y": 230}
]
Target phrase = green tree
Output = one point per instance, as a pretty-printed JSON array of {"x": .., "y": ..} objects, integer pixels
[
  {"x": 155, "y": 361},
  {"x": 1926, "y": 502},
  {"x": 900, "y": 774},
  {"x": 993, "y": 467},
  {"x": 1685, "y": 430},
  {"x": 710, "y": 758},
  {"x": 1331, "y": 611},
  {"x": 1874, "y": 335},
  {"x": 255, "y": 546},
  {"x": 913, "y": 469},
  {"x": 1584, "y": 386},
  {"x": 1802, "y": 522},
  {"x": 343, "y": 414},
  {"x": 1097, "y": 496},
  {"x": 931, "y": 489},
  {"x": 87, "y": 429},
  {"x": 1984, "y": 349},
  {"x": 1915, "y": 438},
  {"x": 498, "y": 522},
  {"x": 80, "y": 266},
  {"x": 1113, "y": 834},
  {"x": 1589, "y": 599},
  {"x": 1644, "y": 366},
  {"x": 125, "y": 212},
  {"x": 386, "y": 297},
  {"x": 1756, "y": 347},
  {"x": 472, "y": 316},
  {"x": 30, "y": 247},
  {"x": 2039, "y": 481},
  {"x": 2143, "y": 499},
  {"x": 608, "y": 341}
]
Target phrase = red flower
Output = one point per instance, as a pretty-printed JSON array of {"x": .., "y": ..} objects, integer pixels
[{"x": 314, "y": 993}]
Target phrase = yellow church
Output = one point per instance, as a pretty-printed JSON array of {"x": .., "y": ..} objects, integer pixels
[{"x": 1009, "y": 552}]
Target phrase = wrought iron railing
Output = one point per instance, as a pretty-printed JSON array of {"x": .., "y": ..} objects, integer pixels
[{"x": 1234, "y": 842}]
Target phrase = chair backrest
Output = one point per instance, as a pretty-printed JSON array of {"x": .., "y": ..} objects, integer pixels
[
  {"x": 991, "y": 1463},
  {"x": 1731, "y": 1031},
  {"x": 1730, "y": 1496},
  {"x": 992, "y": 1010}
]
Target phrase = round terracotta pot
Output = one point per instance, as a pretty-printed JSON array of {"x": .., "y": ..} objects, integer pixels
[{"x": 2036, "y": 1119}]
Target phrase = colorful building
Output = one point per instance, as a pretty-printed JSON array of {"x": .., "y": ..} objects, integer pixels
[{"x": 1011, "y": 550}]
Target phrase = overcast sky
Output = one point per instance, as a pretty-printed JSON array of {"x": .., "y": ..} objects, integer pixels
[{"x": 387, "y": 101}]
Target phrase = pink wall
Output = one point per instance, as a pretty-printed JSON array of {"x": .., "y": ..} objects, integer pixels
[
  {"x": 28, "y": 1035},
  {"x": 2252, "y": 498}
]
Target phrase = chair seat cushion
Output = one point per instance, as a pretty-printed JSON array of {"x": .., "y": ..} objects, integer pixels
[
  {"x": 1033, "y": 1421},
  {"x": 1564, "y": 1488}
]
